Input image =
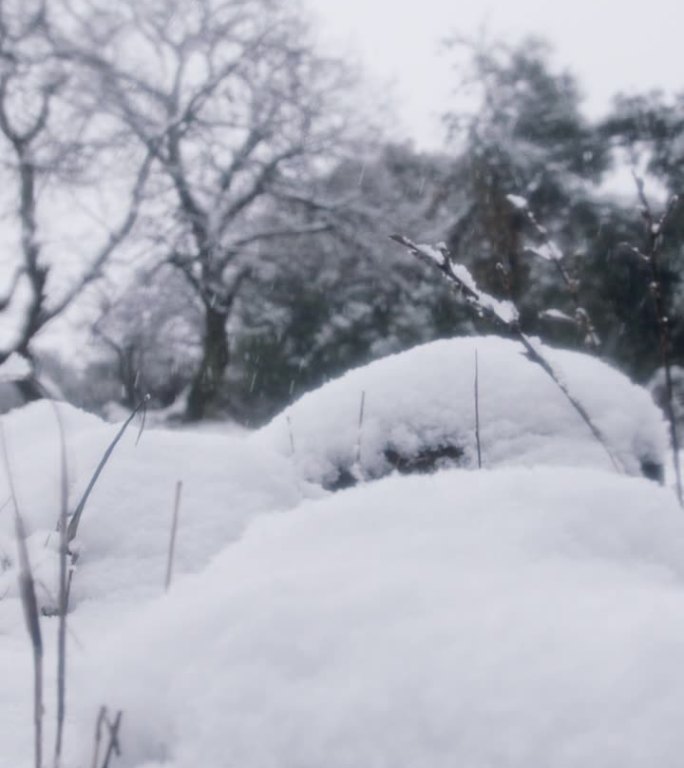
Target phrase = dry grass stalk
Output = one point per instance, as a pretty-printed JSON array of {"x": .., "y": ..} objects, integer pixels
[
  {"x": 63, "y": 604},
  {"x": 64, "y": 574},
  {"x": 99, "y": 723},
  {"x": 27, "y": 591},
  {"x": 362, "y": 409},
  {"x": 72, "y": 528},
  {"x": 477, "y": 412},
  {"x": 113, "y": 746},
  {"x": 172, "y": 541},
  {"x": 288, "y": 420}
]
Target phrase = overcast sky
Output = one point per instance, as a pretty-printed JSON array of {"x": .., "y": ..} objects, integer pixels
[{"x": 612, "y": 45}]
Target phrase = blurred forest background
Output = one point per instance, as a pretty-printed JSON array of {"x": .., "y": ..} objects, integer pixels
[{"x": 197, "y": 202}]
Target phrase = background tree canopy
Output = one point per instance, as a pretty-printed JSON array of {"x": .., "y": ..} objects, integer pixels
[{"x": 235, "y": 205}]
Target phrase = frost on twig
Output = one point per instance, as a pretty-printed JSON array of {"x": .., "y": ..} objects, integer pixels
[
  {"x": 654, "y": 227},
  {"x": 460, "y": 278},
  {"x": 547, "y": 249},
  {"x": 502, "y": 314}
]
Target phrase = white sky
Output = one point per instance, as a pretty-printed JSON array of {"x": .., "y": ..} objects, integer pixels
[{"x": 611, "y": 45}]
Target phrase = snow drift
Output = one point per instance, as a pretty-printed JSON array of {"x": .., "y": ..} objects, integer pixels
[
  {"x": 513, "y": 617},
  {"x": 419, "y": 411},
  {"x": 123, "y": 536},
  {"x": 507, "y": 619}
]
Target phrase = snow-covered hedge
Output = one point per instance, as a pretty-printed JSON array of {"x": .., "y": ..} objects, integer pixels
[{"x": 419, "y": 412}]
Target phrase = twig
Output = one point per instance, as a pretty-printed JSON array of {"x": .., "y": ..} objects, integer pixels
[
  {"x": 172, "y": 541},
  {"x": 553, "y": 253},
  {"x": 654, "y": 234},
  {"x": 288, "y": 421},
  {"x": 477, "y": 412},
  {"x": 501, "y": 314},
  {"x": 113, "y": 745},
  {"x": 293, "y": 454},
  {"x": 64, "y": 573},
  {"x": 72, "y": 529},
  {"x": 362, "y": 407},
  {"x": 29, "y": 603},
  {"x": 101, "y": 719},
  {"x": 63, "y": 590}
]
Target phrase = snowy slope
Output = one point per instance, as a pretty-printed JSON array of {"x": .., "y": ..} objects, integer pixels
[
  {"x": 511, "y": 618},
  {"x": 424, "y": 399},
  {"x": 124, "y": 533},
  {"x": 514, "y": 617}
]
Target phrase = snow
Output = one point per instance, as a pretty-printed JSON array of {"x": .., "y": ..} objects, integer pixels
[
  {"x": 123, "y": 536},
  {"x": 529, "y": 614},
  {"x": 503, "y": 309},
  {"x": 515, "y": 619},
  {"x": 557, "y": 314},
  {"x": 424, "y": 398},
  {"x": 14, "y": 368},
  {"x": 548, "y": 251},
  {"x": 433, "y": 252},
  {"x": 518, "y": 202}
]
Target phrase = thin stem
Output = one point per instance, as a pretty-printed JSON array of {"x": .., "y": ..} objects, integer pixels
[
  {"x": 29, "y": 603},
  {"x": 72, "y": 530},
  {"x": 654, "y": 234},
  {"x": 477, "y": 412},
  {"x": 362, "y": 408},
  {"x": 172, "y": 541}
]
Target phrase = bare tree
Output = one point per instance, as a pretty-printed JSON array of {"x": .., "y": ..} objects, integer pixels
[
  {"x": 44, "y": 149},
  {"x": 236, "y": 109},
  {"x": 147, "y": 327}
]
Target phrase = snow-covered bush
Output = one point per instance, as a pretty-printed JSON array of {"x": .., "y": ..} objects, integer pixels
[{"x": 419, "y": 413}]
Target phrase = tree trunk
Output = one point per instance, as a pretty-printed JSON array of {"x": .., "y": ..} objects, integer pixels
[{"x": 206, "y": 385}]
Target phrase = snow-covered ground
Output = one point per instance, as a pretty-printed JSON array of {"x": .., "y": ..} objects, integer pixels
[{"x": 529, "y": 614}]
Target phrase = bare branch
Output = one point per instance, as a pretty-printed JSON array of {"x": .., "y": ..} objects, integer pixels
[
  {"x": 654, "y": 238},
  {"x": 264, "y": 176},
  {"x": 490, "y": 308},
  {"x": 551, "y": 252},
  {"x": 114, "y": 241},
  {"x": 294, "y": 231}
]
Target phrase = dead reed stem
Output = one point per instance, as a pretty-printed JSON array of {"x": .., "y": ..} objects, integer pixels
[
  {"x": 172, "y": 541},
  {"x": 477, "y": 412},
  {"x": 29, "y": 602}
]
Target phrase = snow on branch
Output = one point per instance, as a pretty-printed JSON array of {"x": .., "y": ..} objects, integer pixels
[
  {"x": 503, "y": 314},
  {"x": 548, "y": 250},
  {"x": 14, "y": 368},
  {"x": 460, "y": 278},
  {"x": 652, "y": 254}
]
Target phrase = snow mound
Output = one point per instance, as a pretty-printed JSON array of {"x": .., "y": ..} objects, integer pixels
[
  {"x": 123, "y": 537},
  {"x": 508, "y": 618},
  {"x": 419, "y": 413}
]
